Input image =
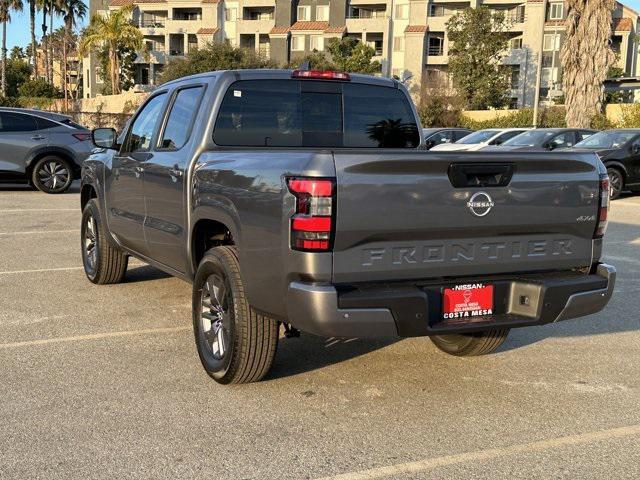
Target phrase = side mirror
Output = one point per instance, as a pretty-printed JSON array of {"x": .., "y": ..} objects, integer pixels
[
  {"x": 105, "y": 138},
  {"x": 635, "y": 149},
  {"x": 430, "y": 143}
]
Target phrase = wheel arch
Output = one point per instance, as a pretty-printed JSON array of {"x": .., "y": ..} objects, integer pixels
[
  {"x": 618, "y": 166},
  {"x": 54, "y": 151},
  {"x": 87, "y": 192},
  {"x": 207, "y": 233}
]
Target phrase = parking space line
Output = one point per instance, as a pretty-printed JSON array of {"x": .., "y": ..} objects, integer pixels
[
  {"x": 18, "y": 210},
  {"x": 36, "y": 232},
  {"x": 482, "y": 455},
  {"x": 94, "y": 336},
  {"x": 40, "y": 270}
]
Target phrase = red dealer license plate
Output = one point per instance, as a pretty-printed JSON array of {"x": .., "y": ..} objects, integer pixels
[{"x": 470, "y": 300}]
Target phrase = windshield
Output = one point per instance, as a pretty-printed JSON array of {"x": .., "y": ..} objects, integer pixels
[
  {"x": 478, "y": 137},
  {"x": 532, "y": 138},
  {"x": 610, "y": 139}
]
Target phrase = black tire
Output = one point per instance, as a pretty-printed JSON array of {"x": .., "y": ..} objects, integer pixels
[
  {"x": 616, "y": 180},
  {"x": 471, "y": 344},
  {"x": 235, "y": 343},
  {"x": 104, "y": 263},
  {"x": 52, "y": 174}
]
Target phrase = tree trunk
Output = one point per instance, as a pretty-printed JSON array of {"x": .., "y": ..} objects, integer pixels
[
  {"x": 586, "y": 57},
  {"x": 63, "y": 71},
  {"x": 3, "y": 66},
  {"x": 51, "y": 43},
  {"x": 113, "y": 67},
  {"x": 32, "y": 19},
  {"x": 45, "y": 43}
]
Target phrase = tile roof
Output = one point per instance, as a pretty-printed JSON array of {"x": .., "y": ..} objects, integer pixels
[
  {"x": 306, "y": 26},
  {"x": 122, "y": 3},
  {"x": 416, "y": 29},
  {"x": 622, "y": 24},
  {"x": 207, "y": 31},
  {"x": 342, "y": 29},
  {"x": 279, "y": 30}
]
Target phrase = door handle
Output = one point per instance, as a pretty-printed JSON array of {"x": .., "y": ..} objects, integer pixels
[
  {"x": 38, "y": 137},
  {"x": 175, "y": 173},
  {"x": 138, "y": 171}
]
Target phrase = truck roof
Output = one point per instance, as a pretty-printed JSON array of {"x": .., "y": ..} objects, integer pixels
[{"x": 264, "y": 73}]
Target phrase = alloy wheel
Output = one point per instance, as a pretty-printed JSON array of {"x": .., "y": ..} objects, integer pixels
[
  {"x": 215, "y": 316},
  {"x": 91, "y": 243},
  {"x": 53, "y": 175}
]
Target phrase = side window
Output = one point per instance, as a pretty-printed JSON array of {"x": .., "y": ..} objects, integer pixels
[
  {"x": 181, "y": 117},
  {"x": 438, "y": 138},
  {"x": 144, "y": 125},
  {"x": 560, "y": 141},
  {"x": 458, "y": 134},
  {"x": 506, "y": 136},
  {"x": 582, "y": 134},
  {"x": 44, "y": 124},
  {"x": 378, "y": 117},
  {"x": 16, "y": 122}
]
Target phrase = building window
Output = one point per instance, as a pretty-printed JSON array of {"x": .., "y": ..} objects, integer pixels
[
  {"x": 516, "y": 43},
  {"x": 551, "y": 41},
  {"x": 304, "y": 13},
  {"x": 398, "y": 44},
  {"x": 436, "y": 10},
  {"x": 556, "y": 11},
  {"x": 297, "y": 43},
  {"x": 230, "y": 14},
  {"x": 515, "y": 76},
  {"x": 436, "y": 45},
  {"x": 550, "y": 77},
  {"x": 317, "y": 42},
  {"x": 322, "y": 13},
  {"x": 402, "y": 12}
]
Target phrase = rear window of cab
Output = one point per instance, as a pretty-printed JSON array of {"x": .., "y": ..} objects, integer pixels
[{"x": 307, "y": 113}]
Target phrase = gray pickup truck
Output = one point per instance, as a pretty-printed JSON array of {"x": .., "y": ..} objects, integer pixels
[{"x": 304, "y": 199}]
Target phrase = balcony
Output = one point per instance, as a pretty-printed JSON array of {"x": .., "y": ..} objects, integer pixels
[
  {"x": 376, "y": 23},
  {"x": 255, "y": 26},
  {"x": 152, "y": 56}
]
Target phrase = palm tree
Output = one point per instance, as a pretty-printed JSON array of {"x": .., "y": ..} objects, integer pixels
[
  {"x": 44, "y": 6},
  {"x": 72, "y": 10},
  {"x": 32, "y": 25},
  {"x": 115, "y": 31},
  {"x": 586, "y": 56},
  {"x": 6, "y": 6}
]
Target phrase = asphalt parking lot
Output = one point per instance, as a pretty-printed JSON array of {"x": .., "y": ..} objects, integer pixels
[{"x": 105, "y": 382}]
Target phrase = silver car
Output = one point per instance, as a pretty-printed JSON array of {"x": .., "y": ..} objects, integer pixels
[{"x": 43, "y": 149}]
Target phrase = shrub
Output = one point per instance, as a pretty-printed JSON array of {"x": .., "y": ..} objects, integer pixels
[
  {"x": 38, "y": 88},
  {"x": 547, "y": 117},
  {"x": 630, "y": 116}
]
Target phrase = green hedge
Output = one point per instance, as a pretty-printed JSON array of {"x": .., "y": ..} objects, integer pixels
[{"x": 551, "y": 117}]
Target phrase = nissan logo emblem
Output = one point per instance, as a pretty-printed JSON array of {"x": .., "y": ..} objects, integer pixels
[{"x": 480, "y": 204}]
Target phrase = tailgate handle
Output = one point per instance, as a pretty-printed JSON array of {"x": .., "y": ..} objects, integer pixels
[{"x": 464, "y": 175}]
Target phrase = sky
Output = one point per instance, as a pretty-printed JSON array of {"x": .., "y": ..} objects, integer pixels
[{"x": 18, "y": 30}]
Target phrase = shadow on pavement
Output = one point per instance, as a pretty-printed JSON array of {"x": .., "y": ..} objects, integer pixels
[{"x": 308, "y": 353}]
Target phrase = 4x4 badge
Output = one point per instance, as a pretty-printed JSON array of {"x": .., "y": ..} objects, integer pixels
[{"x": 480, "y": 204}]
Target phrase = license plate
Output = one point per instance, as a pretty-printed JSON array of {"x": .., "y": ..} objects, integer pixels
[{"x": 470, "y": 300}]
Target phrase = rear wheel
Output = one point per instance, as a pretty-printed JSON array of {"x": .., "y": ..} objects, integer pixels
[
  {"x": 235, "y": 343},
  {"x": 52, "y": 174},
  {"x": 104, "y": 263},
  {"x": 471, "y": 344},
  {"x": 616, "y": 180}
]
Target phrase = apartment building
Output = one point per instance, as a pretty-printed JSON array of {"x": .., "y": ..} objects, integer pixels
[
  {"x": 73, "y": 70},
  {"x": 409, "y": 36}
]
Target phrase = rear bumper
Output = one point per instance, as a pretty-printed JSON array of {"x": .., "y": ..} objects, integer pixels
[{"x": 415, "y": 310}]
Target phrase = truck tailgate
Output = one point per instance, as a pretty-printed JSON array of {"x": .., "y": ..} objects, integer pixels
[{"x": 407, "y": 215}]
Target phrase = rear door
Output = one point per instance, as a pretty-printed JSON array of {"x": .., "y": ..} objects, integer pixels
[
  {"x": 403, "y": 214},
  {"x": 19, "y": 135},
  {"x": 164, "y": 178}
]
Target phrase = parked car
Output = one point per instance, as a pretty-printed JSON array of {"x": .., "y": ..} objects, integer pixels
[
  {"x": 302, "y": 198},
  {"x": 437, "y": 136},
  {"x": 43, "y": 149},
  {"x": 619, "y": 150},
  {"x": 481, "y": 138},
  {"x": 542, "y": 140}
]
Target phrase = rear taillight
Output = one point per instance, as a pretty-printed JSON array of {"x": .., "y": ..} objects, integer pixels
[
  {"x": 313, "y": 222},
  {"x": 603, "y": 206},
  {"x": 81, "y": 136}
]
